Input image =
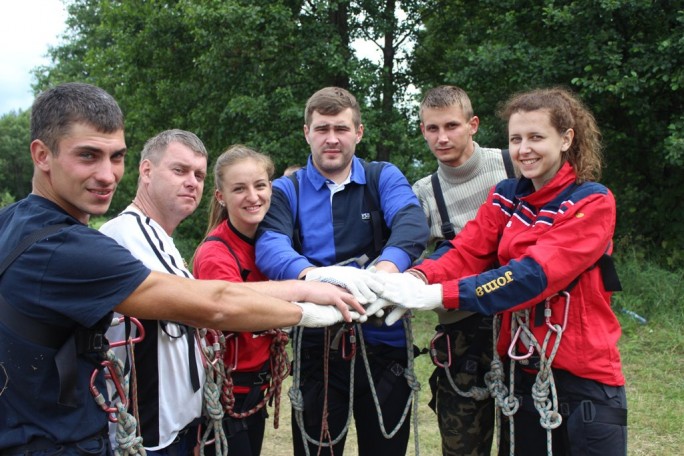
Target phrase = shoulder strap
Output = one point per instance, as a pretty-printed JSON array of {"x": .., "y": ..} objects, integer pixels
[
  {"x": 296, "y": 232},
  {"x": 447, "y": 227},
  {"x": 62, "y": 339},
  {"x": 28, "y": 241},
  {"x": 377, "y": 219},
  {"x": 243, "y": 272},
  {"x": 508, "y": 162}
]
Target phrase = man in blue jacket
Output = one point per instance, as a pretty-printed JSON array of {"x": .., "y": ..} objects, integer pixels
[{"x": 340, "y": 210}]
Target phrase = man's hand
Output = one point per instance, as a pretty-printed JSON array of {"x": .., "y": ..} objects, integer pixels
[
  {"x": 329, "y": 294},
  {"x": 315, "y": 316},
  {"x": 363, "y": 284}
]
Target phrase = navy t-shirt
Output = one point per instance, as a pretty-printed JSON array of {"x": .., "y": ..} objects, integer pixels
[{"x": 75, "y": 276}]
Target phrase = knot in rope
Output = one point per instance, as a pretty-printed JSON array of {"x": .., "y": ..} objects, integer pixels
[
  {"x": 510, "y": 405},
  {"x": 128, "y": 443},
  {"x": 412, "y": 380},
  {"x": 494, "y": 379},
  {"x": 212, "y": 400},
  {"x": 212, "y": 407},
  {"x": 296, "y": 399}
]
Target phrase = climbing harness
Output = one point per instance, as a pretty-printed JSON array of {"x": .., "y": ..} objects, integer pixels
[
  {"x": 349, "y": 334},
  {"x": 477, "y": 393},
  {"x": 219, "y": 399},
  {"x": 279, "y": 370},
  {"x": 544, "y": 393},
  {"x": 71, "y": 343}
]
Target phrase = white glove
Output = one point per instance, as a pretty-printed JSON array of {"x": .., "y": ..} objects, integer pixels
[
  {"x": 363, "y": 284},
  {"x": 316, "y": 316},
  {"x": 395, "y": 315},
  {"x": 377, "y": 307},
  {"x": 408, "y": 291}
]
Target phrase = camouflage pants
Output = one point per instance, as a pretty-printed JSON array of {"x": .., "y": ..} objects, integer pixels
[{"x": 465, "y": 424}]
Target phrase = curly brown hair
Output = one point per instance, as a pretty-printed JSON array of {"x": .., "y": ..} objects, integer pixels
[{"x": 566, "y": 111}]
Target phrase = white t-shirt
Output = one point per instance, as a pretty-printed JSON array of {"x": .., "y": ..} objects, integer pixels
[{"x": 167, "y": 399}]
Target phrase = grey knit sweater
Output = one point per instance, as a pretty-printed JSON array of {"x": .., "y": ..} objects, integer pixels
[{"x": 465, "y": 189}]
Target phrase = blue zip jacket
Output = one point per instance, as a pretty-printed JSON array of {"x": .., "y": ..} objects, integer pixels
[{"x": 333, "y": 230}]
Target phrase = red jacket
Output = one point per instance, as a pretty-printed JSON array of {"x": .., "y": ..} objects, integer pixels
[
  {"x": 214, "y": 261},
  {"x": 544, "y": 240}
]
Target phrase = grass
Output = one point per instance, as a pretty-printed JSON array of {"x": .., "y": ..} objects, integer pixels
[{"x": 653, "y": 363}]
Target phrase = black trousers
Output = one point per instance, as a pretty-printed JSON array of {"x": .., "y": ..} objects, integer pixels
[
  {"x": 387, "y": 366},
  {"x": 594, "y": 419},
  {"x": 92, "y": 446},
  {"x": 245, "y": 436}
]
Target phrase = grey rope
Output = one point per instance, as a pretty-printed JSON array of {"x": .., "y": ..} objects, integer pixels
[
  {"x": 297, "y": 399},
  {"x": 544, "y": 393},
  {"x": 494, "y": 379},
  {"x": 211, "y": 394},
  {"x": 128, "y": 442}
]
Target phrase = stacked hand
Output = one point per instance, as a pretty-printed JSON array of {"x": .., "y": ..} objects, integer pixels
[
  {"x": 363, "y": 284},
  {"x": 316, "y": 316},
  {"x": 376, "y": 290},
  {"x": 406, "y": 292}
]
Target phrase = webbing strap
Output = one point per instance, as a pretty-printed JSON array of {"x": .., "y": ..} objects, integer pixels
[
  {"x": 508, "y": 163},
  {"x": 48, "y": 335},
  {"x": 447, "y": 227},
  {"x": 33, "y": 330},
  {"x": 244, "y": 273},
  {"x": 27, "y": 242}
]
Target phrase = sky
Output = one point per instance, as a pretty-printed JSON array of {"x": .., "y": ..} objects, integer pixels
[{"x": 27, "y": 28}]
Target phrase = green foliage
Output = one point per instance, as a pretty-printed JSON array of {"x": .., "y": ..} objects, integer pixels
[
  {"x": 234, "y": 72},
  {"x": 625, "y": 59},
  {"x": 16, "y": 167},
  {"x": 240, "y": 71},
  {"x": 648, "y": 289},
  {"x": 6, "y": 199}
]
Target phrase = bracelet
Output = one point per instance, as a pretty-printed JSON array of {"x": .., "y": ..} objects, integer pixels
[{"x": 418, "y": 274}]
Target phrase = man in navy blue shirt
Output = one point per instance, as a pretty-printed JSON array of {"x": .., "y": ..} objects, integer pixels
[
  {"x": 57, "y": 296},
  {"x": 339, "y": 210}
]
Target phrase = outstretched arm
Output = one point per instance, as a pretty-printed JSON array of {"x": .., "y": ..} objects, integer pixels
[{"x": 219, "y": 304}]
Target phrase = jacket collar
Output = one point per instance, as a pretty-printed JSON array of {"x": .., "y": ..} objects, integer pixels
[{"x": 526, "y": 192}]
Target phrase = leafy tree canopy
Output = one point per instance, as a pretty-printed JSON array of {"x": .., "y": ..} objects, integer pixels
[{"x": 624, "y": 57}]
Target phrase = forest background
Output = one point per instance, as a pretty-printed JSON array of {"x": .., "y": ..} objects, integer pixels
[{"x": 241, "y": 72}]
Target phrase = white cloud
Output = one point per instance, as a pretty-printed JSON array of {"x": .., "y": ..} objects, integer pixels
[{"x": 27, "y": 28}]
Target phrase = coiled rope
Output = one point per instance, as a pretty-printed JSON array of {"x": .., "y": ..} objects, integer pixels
[{"x": 213, "y": 409}]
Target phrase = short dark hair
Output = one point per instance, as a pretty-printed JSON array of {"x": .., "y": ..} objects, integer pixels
[
  {"x": 330, "y": 101},
  {"x": 55, "y": 110}
]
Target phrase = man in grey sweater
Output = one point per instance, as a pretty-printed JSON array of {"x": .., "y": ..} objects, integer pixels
[{"x": 465, "y": 175}]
